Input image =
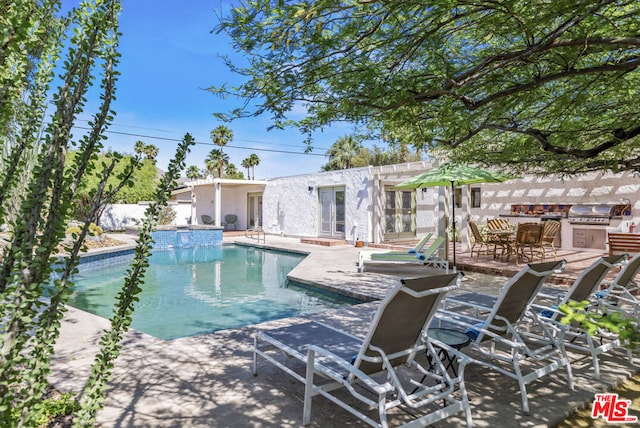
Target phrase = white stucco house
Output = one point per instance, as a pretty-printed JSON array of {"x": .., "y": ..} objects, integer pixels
[{"x": 362, "y": 203}]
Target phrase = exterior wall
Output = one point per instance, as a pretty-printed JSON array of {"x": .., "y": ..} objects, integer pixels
[
  {"x": 597, "y": 187},
  {"x": 233, "y": 200},
  {"x": 204, "y": 203},
  {"x": 290, "y": 209},
  {"x": 427, "y": 218}
]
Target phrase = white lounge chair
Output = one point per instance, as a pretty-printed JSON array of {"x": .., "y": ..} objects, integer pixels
[
  {"x": 587, "y": 283},
  {"x": 586, "y": 287},
  {"x": 623, "y": 293},
  {"x": 497, "y": 342},
  {"x": 428, "y": 257},
  {"x": 545, "y": 315},
  {"x": 379, "y": 370},
  {"x": 415, "y": 249}
]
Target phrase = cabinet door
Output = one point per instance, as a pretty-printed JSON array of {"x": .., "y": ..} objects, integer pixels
[
  {"x": 580, "y": 238},
  {"x": 589, "y": 238},
  {"x": 596, "y": 239}
]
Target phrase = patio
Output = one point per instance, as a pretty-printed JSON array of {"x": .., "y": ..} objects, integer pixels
[{"x": 206, "y": 380}]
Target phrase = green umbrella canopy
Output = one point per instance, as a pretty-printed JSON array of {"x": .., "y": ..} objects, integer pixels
[{"x": 453, "y": 175}]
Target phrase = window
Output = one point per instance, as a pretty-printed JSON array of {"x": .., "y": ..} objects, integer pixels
[
  {"x": 457, "y": 197},
  {"x": 475, "y": 197}
]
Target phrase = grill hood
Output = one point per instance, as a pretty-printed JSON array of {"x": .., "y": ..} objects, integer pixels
[
  {"x": 592, "y": 210},
  {"x": 592, "y": 213}
]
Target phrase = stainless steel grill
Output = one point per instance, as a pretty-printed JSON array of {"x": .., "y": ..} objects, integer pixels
[{"x": 591, "y": 214}]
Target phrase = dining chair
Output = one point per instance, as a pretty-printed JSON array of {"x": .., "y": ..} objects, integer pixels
[
  {"x": 528, "y": 243},
  {"x": 549, "y": 232},
  {"x": 480, "y": 240},
  {"x": 498, "y": 224}
]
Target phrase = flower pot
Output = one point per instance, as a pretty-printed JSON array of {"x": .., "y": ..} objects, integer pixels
[{"x": 359, "y": 244}]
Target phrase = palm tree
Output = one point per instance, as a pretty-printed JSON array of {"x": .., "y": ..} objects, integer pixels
[
  {"x": 193, "y": 172},
  {"x": 254, "y": 161},
  {"x": 151, "y": 152},
  {"x": 216, "y": 161},
  {"x": 139, "y": 147},
  {"x": 232, "y": 172},
  {"x": 342, "y": 152},
  {"x": 246, "y": 163},
  {"x": 221, "y": 136}
]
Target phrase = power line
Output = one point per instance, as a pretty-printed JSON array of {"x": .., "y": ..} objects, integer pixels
[
  {"x": 173, "y": 132},
  {"x": 130, "y": 134}
]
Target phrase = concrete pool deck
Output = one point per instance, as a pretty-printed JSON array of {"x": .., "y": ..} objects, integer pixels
[{"x": 206, "y": 381}]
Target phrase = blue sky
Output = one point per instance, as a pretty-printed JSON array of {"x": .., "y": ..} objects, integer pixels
[{"x": 169, "y": 58}]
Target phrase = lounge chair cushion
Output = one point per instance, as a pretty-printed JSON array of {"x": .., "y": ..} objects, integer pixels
[{"x": 474, "y": 333}]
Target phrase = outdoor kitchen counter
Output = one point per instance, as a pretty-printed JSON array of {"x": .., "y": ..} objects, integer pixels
[{"x": 523, "y": 215}]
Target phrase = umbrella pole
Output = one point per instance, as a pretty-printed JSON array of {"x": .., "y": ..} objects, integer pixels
[{"x": 453, "y": 224}]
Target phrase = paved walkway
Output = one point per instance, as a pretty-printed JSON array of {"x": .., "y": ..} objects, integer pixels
[{"x": 206, "y": 381}]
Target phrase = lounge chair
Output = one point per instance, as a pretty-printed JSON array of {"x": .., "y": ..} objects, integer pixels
[
  {"x": 623, "y": 293},
  {"x": 496, "y": 339},
  {"x": 413, "y": 250},
  {"x": 545, "y": 310},
  {"x": 584, "y": 287},
  {"x": 428, "y": 257},
  {"x": 380, "y": 371}
]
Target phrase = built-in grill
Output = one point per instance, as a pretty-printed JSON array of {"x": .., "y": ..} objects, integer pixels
[{"x": 591, "y": 214}]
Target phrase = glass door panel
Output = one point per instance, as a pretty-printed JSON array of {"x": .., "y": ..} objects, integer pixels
[
  {"x": 326, "y": 211},
  {"x": 389, "y": 211},
  {"x": 339, "y": 226},
  {"x": 332, "y": 212},
  {"x": 399, "y": 214},
  {"x": 254, "y": 210}
]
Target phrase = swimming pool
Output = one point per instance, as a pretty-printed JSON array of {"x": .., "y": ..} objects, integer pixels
[{"x": 191, "y": 291}]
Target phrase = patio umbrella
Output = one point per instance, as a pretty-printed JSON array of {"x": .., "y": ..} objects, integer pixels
[{"x": 453, "y": 175}]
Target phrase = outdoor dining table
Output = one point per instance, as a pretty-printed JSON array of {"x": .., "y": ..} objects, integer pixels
[{"x": 504, "y": 238}]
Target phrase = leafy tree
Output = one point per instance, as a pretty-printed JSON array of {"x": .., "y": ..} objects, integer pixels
[
  {"x": 342, "y": 153},
  {"x": 540, "y": 87},
  {"x": 146, "y": 179},
  {"x": 26, "y": 56},
  {"x": 216, "y": 161},
  {"x": 193, "y": 172},
  {"x": 31, "y": 303},
  {"x": 143, "y": 173},
  {"x": 221, "y": 135},
  {"x": 377, "y": 156},
  {"x": 254, "y": 161},
  {"x": 620, "y": 323}
]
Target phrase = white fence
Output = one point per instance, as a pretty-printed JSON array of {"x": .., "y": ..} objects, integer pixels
[{"x": 120, "y": 216}]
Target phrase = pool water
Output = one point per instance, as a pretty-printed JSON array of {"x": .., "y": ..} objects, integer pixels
[{"x": 193, "y": 291}]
